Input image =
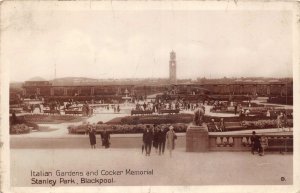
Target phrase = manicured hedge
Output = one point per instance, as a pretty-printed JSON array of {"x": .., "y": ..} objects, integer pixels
[
  {"x": 43, "y": 118},
  {"x": 81, "y": 129},
  {"x": 153, "y": 119},
  {"x": 264, "y": 124},
  {"x": 208, "y": 118}
]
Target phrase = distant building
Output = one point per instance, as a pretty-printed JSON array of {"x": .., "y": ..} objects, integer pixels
[{"x": 172, "y": 68}]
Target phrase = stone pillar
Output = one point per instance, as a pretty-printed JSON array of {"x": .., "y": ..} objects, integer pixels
[
  {"x": 281, "y": 90},
  {"x": 65, "y": 92},
  {"x": 228, "y": 87},
  {"x": 197, "y": 139},
  {"x": 92, "y": 91},
  {"x": 241, "y": 89},
  {"x": 38, "y": 91},
  {"x": 51, "y": 91},
  {"x": 254, "y": 90},
  {"x": 268, "y": 89},
  {"x": 24, "y": 91}
]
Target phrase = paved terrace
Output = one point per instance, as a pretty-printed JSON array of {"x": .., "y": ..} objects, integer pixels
[
  {"x": 53, "y": 149},
  {"x": 211, "y": 168}
]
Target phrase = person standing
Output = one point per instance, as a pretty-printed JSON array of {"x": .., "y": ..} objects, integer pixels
[
  {"x": 279, "y": 120},
  {"x": 222, "y": 124},
  {"x": 264, "y": 143},
  {"x": 161, "y": 140},
  {"x": 255, "y": 143},
  {"x": 155, "y": 138},
  {"x": 235, "y": 109},
  {"x": 92, "y": 136},
  {"x": 268, "y": 113},
  {"x": 147, "y": 139},
  {"x": 171, "y": 137},
  {"x": 105, "y": 136}
]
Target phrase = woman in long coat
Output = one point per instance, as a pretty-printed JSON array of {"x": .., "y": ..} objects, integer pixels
[
  {"x": 92, "y": 136},
  {"x": 171, "y": 137},
  {"x": 105, "y": 136}
]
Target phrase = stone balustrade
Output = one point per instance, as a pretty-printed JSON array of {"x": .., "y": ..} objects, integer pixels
[{"x": 242, "y": 142}]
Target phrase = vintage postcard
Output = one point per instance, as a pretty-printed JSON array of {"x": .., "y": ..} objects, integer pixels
[{"x": 150, "y": 96}]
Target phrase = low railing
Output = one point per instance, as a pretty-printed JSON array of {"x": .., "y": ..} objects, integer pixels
[{"x": 282, "y": 142}]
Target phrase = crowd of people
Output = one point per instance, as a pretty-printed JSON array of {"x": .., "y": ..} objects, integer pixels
[
  {"x": 157, "y": 106},
  {"x": 158, "y": 137}
]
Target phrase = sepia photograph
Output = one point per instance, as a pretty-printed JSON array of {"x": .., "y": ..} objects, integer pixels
[{"x": 106, "y": 94}]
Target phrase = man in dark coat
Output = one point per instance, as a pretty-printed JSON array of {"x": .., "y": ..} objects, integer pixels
[
  {"x": 147, "y": 139},
  {"x": 161, "y": 140},
  {"x": 155, "y": 137},
  {"x": 255, "y": 142}
]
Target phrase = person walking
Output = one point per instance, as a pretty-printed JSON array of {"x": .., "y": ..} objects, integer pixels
[
  {"x": 92, "y": 136},
  {"x": 147, "y": 139},
  {"x": 105, "y": 136},
  {"x": 171, "y": 137},
  {"x": 161, "y": 140}
]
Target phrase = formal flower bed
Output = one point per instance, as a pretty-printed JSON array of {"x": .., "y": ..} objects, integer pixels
[
  {"x": 255, "y": 110},
  {"x": 264, "y": 124},
  {"x": 19, "y": 129},
  {"x": 153, "y": 119},
  {"x": 139, "y": 128},
  {"x": 41, "y": 118}
]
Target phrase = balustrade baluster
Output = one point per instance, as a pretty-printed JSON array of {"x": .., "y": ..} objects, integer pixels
[
  {"x": 218, "y": 141},
  {"x": 249, "y": 141},
  {"x": 244, "y": 141},
  {"x": 225, "y": 141}
]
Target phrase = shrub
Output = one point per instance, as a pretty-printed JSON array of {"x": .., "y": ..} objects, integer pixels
[
  {"x": 49, "y": 118},
  {"x": 153, "y": 119},
  {"x": 81, "y": 129},
  {"x": 264, "y": 124},
  {"x": 19, "y": 129}
]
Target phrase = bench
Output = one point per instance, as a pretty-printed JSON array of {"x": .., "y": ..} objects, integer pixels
[
  {"x": 73, "y": 112},
  {"x": 233, "y": 126},
  {"x": 169, "y": 111},
  {"x": 140, "y": 112}
]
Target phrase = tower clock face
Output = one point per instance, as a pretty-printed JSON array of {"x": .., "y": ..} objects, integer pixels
[{"x": 173, "y": 64}]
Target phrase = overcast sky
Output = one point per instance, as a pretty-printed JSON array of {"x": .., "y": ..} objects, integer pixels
[{"x": 136, "y": 44}]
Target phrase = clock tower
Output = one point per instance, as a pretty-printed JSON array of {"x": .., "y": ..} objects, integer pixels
[{"x": 172, "y": 68}]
